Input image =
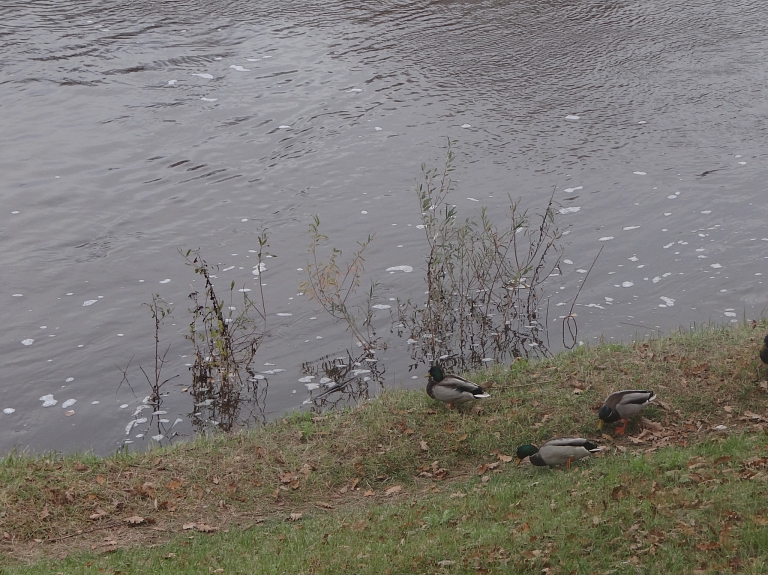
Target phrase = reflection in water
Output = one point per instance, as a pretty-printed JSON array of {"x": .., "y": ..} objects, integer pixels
[
  {"x": 343, "y": 380},
  {"x": 240, "y": 404}
]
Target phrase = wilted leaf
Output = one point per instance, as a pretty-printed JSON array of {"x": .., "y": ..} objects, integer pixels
[
  {"x": 295, "y": 516},
  {"x": 167, "y": 506},
  {"x": 203, "y": 528},
  {"x": 134, "y": 520},
  {"x": 595, "y": 520},
  {"x": 619, "y": 492},
  {"x": 423, "y": 445},
  {"x": 708, "y": 546},
  {"x": 80, "y": 467},
  {"x": 368, "y": 493},
  {"x": 173, "y": 484},
  {"x": 188, "y": 526},
  {"x": 445, "y": 563},
  {"x": 482, "y": 469},
  {"x": 394, "y": 489},
  {"x": 215, "y": 480},
  {"x": 646, "y": 423},
  {"x": 147, "y": 489},
  {"x": 462, "y": 438},
  {"x": 100, "y": 479},
  {"x": 286, "y": 477},
  {"x": 44, "y": 514},
  {"x": 98, "y": 515},
  {"x": 324, "y": 505}
]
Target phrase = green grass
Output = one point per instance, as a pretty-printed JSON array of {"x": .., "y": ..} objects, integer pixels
[
  {"x": 402, "y": 483},
  {"x": 676, "y": 510}
]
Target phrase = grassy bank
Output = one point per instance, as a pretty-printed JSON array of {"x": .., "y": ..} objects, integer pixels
[{"x": 404, "y": 484}]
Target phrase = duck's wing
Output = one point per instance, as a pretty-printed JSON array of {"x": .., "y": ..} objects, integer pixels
[
  {"x": 462, "y": 385},
  {"x": 629, "y": 397},
  {"x": 573, "y": 442},
  {"x": 561, "y": 450}
]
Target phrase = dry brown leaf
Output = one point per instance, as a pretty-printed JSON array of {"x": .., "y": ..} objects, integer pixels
[
  {"x": 81, "y": 467},
  {"x": 394, "y": 489},
  {"x": 646, "y": 423},
  {"x": 355, "y": 481},
  {"x": 203, "y": 528},
  {"x": 188, "y": 526},
  {"x": 505, "y": 458},
  {"x": 173, "y": 484},
  {"x": 100, "y": 479},
  {"x": 286, "y": 477},
  {"x": 134, "y": 520},
  {"x": 44, "y": 514},
  {"x": 98, "y": 515},
  {"x": 147, "y": 489},
  {"x": 423, "y": 445},
  {"x": 295, "y": 516},
  {"x": 482, "y": 469},
  {"x": 324, "y": 505},
  {"x": 369, "y": 493},
  {"x": 69, "y": 413},
  {"x": 462, "y": 438},
  {"x": 215, "y": 480}
]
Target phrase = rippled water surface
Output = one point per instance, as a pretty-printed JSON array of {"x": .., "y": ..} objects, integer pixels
[{"x": 133, "y": 129}]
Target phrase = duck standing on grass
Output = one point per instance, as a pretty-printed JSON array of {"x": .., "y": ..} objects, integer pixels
[
  {"x": 623, "y": 405},
  {"x": 557, "y": 451},
  {"x": 764, "y": 350},
  {"x": 452, "y": 389}
]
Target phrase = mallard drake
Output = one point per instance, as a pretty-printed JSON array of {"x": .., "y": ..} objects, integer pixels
[
  {"x": 450, "y": 388},
  {"x": 623, "y": 405},
  {"x": 557, "y": 451},
  {"x": 764, "y": 350}
]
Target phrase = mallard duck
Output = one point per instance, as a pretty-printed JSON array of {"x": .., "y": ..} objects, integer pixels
[
  {"x": 450, "y": 388},
  {"x": 764, "y": 350},
  {"x": 623, "y": 405},
  {"x": 557, "y": 451}
]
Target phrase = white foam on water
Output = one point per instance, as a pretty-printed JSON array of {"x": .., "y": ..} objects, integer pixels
[
  {"x": 27, "y": 341},
  {"x": 244, "y": 290},
  {"x": 466, "y": 125},
  {"x": 178, "y": 420},
  {"x": 381, "y": 306},
  {"x": 572, "y": 117},
  {"x": 571, "y": 210},
  {"x": 9, "y": 410},
  {"x": 406, "y": 269},
  {"x": 123, "y": 406},
  {"x": 605, "y": 239},
  {"x": 378, "y": 129},
  {"x": 642, "y": 122},
  {"x": 569, "y": 262},
  {"x": 18, "y": 295},
  {"x": 627, "y": 228},
  {"x": 364, "y": 212},
  {"x": 669, "y": 245},
  {"x": 639, "y": 173},
  {"x": 729, "y": 314},
  {"x": 239, "y": 68},
  {"x": 165, "y": 281},
  {"x": 284, "y": 127},
  {"x": 742, "y": 163},
  {"x": 172, "y": 82},
  {"x": 707, "y": 212},
  {"x": 716, "y": 266},
  {"x": 158, "y": 437},
  {"x": 311, "y": 386},
  {"x": 356, "y": 372},
  {"x": 656, "y": 280},
  {"x": 668, "y": 301},
  {"x": 229, "y": 268},
  {"x": 88, "y": 302},
  {"x": 355, "y": 90},
  {"x": 581, "y": 271},
  {"x": 204, "y": 99},
  {"x": 634, "y": 259},
  {"x": 69, "y": 380},
  {"x": 203, "y": 75},
  {"x": 594, "y": 305},
  {"x": 306, "y": 379},
  {"x": 48, "y": 400},
  {"x": 571, "y": 190},
  {"x": 627, "y": 284},
  {"x": 284, "y": 314},
  {"x": 318, "y": 337},
  {"x": 411, "y": 341},
  {"x": 257, "y": 269},
  {"x": 68, "y": 403},
  {"x": 95, "y": 403},
  {"x": 609, "y": 299}
]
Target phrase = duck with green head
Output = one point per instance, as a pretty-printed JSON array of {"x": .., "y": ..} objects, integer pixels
[
  {"x": 764, "y": 350},
  {"x": 557, "y": 451},
  {"x": 452, "y": 389}
]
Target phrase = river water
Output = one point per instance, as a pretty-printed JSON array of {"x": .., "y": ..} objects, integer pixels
[{"x": 133, "y": 129}]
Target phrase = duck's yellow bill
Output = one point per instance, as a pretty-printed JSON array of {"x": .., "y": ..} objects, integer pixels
[
  {"x": 518, "y": 461},
  {"x": 600, "y": 425}
]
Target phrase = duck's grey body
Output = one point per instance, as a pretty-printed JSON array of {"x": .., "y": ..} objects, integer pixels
[
  {"x": 452, "y": 389},
  {"x": 625, "y": 404},
  {"x": 563, "y": 450}
]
